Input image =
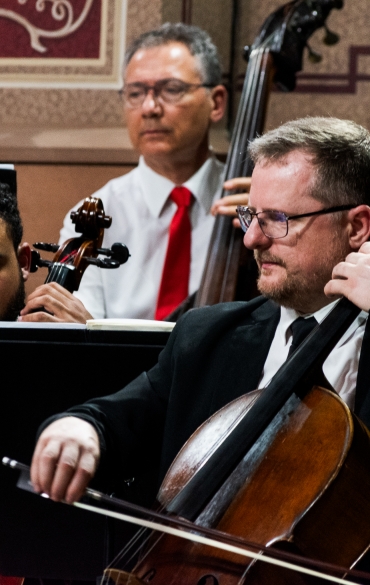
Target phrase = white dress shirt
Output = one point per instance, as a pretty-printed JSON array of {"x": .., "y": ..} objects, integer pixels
[
  {"x": 142, "y": 212},
  {"x": 340, "y": 367}
]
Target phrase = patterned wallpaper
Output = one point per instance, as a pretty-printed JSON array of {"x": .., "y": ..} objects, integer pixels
[
  {"x": 338, "y": 85},
  {"x": 68, "y": 106}
]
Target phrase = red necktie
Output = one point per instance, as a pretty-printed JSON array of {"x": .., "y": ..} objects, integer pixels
[{"x": 175, "y": 276}]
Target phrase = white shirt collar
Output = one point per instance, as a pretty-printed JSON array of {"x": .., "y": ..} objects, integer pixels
[
  {"x": 156, "y": 188},
  {"x": 287, "y": 316}
]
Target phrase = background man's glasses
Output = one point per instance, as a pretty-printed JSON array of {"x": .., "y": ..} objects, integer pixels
[
  {"x": 274, "y": 224},
  {"x": 169, "y": 91}
]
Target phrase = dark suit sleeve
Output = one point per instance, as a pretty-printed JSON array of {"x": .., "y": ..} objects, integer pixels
[
  {"x": 143, "y": 426},
  {"x": 130, "y": 422}
]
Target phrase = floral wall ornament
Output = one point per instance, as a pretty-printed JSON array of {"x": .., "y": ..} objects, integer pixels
[
  {"x": 62, "y": 43},
  {"x": 60, "y": 10}
]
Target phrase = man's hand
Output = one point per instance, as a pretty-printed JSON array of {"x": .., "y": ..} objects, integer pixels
[
  {"x": 227, "y": 205},
  {"x": 61, "y": 306},
  {"x": 65, "y": 459},
  {"x": 351, "y": 278}
]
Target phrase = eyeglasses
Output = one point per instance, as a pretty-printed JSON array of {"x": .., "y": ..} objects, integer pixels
[
  {"x": 274, "y": 224},
  {"x": 170, "y": 91}
]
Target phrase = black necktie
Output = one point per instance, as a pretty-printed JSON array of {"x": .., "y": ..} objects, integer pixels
[{"x": 300, "y": 328}]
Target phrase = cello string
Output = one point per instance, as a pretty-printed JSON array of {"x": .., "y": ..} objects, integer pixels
[
  {"x": 222, "y": 536},
  {"x": 243, "y": 121},
  {"x": 212, "y": 543},
  {"x": 214, "y": 534}
]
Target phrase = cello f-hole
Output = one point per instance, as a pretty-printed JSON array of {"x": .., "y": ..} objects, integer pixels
[
  {"x": 149, "y": 575},
  {"x": 208, "y": 580}
]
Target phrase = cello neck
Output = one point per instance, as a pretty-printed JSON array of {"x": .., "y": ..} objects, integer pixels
[
  {"x": 297, "y": 375},
  {"x": 62, "y": 274}
]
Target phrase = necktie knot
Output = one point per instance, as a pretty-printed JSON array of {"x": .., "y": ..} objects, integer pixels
[
  {"x": 300, "y": 328},
  {"x": 181, "y": 196}
]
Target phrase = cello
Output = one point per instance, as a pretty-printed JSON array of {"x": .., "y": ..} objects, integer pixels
[
  {"x": 73, "y": 257},
  {"x": 244, "y": 472}
]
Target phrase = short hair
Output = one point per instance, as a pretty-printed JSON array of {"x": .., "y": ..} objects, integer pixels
[
  {"x": 9, "y": 213},
  {"x": 196, "y": 40},
  {"x": 339, "y": 150}
]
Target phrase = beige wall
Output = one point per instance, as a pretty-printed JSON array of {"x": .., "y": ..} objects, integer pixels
[
  {"x": 28, "y": 117},
  {"x": 102, "y": 108}
]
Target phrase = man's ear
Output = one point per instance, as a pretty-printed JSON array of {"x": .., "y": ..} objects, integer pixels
[
  {"x": 219, "y": 98},
  {"x": 24, "y": 259},
  {"x": 359, "y": 226}
]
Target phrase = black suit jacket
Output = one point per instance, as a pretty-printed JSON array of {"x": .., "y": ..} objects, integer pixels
[{"x": 214, "y": 355}]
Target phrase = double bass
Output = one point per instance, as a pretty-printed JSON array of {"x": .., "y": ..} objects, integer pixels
[{"x": 273, "y": 60}]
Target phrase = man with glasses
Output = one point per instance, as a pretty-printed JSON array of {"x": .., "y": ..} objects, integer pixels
[
  {"x": 308, "y": 222},
  {"x": 172, "y": 94}
]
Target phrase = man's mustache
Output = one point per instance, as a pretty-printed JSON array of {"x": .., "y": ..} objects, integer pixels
[{"x": 261, "y": 257}]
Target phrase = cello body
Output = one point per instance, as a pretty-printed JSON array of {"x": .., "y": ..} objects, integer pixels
[{"x": 291, "y": 491}]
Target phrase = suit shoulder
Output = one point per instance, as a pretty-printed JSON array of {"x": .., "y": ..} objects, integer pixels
[{"x": 216, "y": 319}]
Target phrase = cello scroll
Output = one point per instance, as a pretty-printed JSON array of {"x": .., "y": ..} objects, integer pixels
[{"x": 73, "y": 257}]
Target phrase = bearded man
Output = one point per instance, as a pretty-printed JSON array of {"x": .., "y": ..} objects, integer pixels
[{"x": 308, "y": 222}]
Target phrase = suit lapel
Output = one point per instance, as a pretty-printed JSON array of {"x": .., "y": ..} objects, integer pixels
[{"x": 247, "y": 350}]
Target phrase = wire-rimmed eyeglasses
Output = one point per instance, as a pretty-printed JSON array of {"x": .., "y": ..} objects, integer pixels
[
  {"x": 169, "y": 91},
  {"x": 274, "y": 224}
]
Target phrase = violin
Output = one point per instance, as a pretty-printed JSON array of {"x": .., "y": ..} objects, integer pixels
[
  {"x": 274, "y": 59},
  {"x": 73, "y": 257}
]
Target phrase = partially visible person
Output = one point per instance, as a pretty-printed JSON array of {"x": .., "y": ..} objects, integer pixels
[
  {"x": 15, "y": 261},
  {"x": 172, "y": 93},
  {"x": 15, "y": 257}
]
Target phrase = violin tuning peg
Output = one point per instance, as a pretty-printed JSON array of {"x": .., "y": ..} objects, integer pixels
[
  {"x": 246, "y": 52},
  {"x": 313, "y": 56},
  {"x": 330, "y": 38}
]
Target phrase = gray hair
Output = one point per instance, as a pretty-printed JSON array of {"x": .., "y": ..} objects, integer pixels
[
  {"x": 339, "y": 151},
  {"x": 197, "y": 40}
]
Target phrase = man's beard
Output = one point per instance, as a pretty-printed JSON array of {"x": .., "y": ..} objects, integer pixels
[
  {"x": 16, "y": 303},
  {"x": 300, "y": 291}
]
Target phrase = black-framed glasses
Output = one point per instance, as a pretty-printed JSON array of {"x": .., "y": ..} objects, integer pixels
[
  {"x": 274, "y": 224},
  {"x": 169, "y": 91}
]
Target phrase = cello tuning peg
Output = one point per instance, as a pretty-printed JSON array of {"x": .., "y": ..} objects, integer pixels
[
  {"x": 120, "y": 253},
  {"x": 103, "y": 263},
  {"x": 313, "y": 56},
  {"x": 37, "y": 261},
  {"x": 330, "y": 38}
]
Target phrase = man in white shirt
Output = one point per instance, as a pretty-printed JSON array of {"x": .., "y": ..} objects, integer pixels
[
  {"x": 172, "y": 94},
  {"x": 308, "y": 222}
]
